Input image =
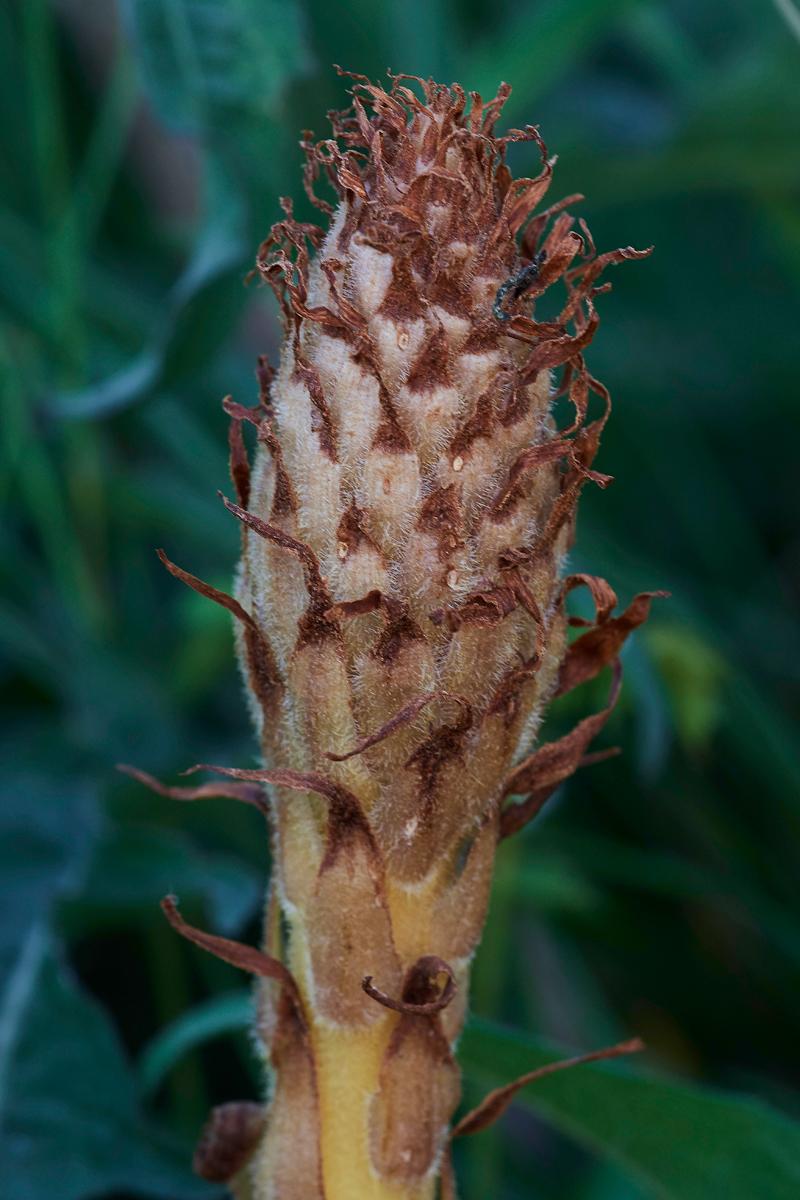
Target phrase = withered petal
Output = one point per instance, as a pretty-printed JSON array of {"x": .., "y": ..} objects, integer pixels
[
  {"x": 239, "y": 463},
  {"x": 211, "y": 593},
  {"x": 603, "y": 595},
  {"x": 259, "y": 648},
  {"x": 588, "y": 654},
  {"x": 317, "y": 586},
  {"x": 533, "y": 232},
  {"x": 399, "y": 721},
  {"x": 347, "y": 817},
  {"x": 547, "y": 768}
]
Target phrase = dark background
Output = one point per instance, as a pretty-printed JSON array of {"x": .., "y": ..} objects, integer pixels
[{"x": 142, "y": 153}]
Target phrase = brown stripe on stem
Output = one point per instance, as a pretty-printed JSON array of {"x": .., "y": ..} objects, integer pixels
[
  {"x": 489, "y": 607},
  {"x": 309, "y": 377},
  {"x": 482, "y": 610},
  {"x": 523, "y": 594},
  {"x": 284, "y": 501},
  {"x": 496, "y": 1103},
  {"x": 356, "y": 608},
  {"x": 561, "y": 512},
  {"x": 315, "y": 625}
]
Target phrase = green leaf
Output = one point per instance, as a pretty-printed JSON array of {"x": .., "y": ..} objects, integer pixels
[
  {"x": 72, "y": 1128},
  {"x": 548, "y": 882},
  {"x": 227, "y": 1013},
  {"x": 694, "y": 673},
  {"x": 790, "y": 15},
  {"x": 196, "y": 54},
  {"x": 668, "y": 875},
  {"x": 538, "y": 44},
  {"x": 46, "y": 831},
  {"x": 220, "y": 247},
  {"x": 139, "y": 866},
  {"x": 688, "y": 1142}
]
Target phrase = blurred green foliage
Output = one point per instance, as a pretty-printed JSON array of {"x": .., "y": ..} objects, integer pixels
[{"x": 142, "y": 152}]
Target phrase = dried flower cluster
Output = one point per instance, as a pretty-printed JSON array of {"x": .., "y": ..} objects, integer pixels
[{"x": 401, "y": 622}]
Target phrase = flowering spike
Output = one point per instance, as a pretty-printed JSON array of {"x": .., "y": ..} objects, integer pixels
[{"x": 401, "y": 618}]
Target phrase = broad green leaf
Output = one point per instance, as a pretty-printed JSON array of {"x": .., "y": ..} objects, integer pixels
[
  {"x": 72, "y": 1128},
  {"x": 689, "y": 1143},
  {"x": 668, "y": 875},
  {"x": 46, "y": 832},
  {"x": 31, "y": 463}
]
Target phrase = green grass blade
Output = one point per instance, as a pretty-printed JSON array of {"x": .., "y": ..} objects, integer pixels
[
  {"x": 227, "y": 1013},
  {"x": 536, "y": 47}
]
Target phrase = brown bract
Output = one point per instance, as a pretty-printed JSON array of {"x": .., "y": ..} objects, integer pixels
[
  {"x": 229, "y": 1140},
  {"x": 496, "y": 1103}
]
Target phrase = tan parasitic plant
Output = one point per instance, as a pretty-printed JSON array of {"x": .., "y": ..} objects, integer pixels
[{"x": 401, "y": 625}]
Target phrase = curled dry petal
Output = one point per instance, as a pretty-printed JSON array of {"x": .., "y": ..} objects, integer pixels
[
  {"x": 547, "y": 768},
  {"x": 346, "y": 813},
  {"x": 592, "y": 651},
  {"x": 399, "y": 721},
  {"x": 604, "y": 596}
]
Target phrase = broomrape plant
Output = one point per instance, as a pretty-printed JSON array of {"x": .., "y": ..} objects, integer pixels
[{"x": 401, "y": 625}]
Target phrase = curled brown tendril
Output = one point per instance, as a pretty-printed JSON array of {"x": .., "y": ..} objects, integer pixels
[{"x": 419, "y": 983}]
